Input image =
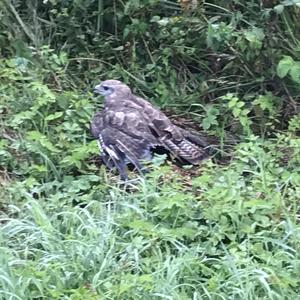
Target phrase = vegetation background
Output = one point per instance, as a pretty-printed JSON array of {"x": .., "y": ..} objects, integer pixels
[{"x": 69, "y": 230}]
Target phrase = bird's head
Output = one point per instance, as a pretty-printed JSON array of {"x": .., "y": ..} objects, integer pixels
[{"x": 110, "y": 87}]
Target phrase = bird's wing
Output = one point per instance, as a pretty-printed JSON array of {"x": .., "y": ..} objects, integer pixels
[
  {"x": 97, "y": 128},
  {"x": 128, "y": 121},
  {"x": 133, "y": 135},
  {"x": 97, "y": 124},
  {"x": 123, "y": 146},
  {"x": 124, "y": 137},
  {"x": 158, "y": 121},
  {"x": 181, "y": 143}
]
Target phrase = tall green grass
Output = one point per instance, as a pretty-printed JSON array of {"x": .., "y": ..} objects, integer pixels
[{"x": 233, "y": 234}]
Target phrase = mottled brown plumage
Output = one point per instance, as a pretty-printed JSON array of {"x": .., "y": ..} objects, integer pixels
[{"x": 129, "y": 127}]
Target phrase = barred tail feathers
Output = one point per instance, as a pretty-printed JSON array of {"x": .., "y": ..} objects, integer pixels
[{"x": 186, "y": 150}]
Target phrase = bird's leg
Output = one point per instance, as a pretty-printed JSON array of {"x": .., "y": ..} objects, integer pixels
[
  {"x": 136, "y": 163},
  {"x": 111, "y": 160},
  {"x": 107, "y": 161},
  {"x": 121, "y": 167},
  {"x": 145, "y": 170},
  {"x": 104, "y": 157}
]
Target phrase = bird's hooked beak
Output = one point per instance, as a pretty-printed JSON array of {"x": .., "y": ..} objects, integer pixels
[
  {"x": 103, "y": 89},
  {"x": 98, "y": 89}
]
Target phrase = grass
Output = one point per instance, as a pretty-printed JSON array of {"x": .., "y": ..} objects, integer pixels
[
  {"x": 69, "y": 230},
  {"x": 233, "y": 233}
]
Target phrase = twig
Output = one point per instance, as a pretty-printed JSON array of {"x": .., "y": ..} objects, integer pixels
[
  {"x": 21, "y": 23},
  {"x": 100, "y": 16}
]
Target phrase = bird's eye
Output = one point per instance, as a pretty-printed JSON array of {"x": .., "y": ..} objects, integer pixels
[{"x": 106, "y": 88}]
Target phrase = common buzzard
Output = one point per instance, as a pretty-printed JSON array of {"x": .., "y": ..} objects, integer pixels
[{"x": 129, "y": 127}]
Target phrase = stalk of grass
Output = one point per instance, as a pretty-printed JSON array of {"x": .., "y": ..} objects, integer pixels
[
  {"x": 26, "y": 29},
  {"x": 100, "y": 16}
]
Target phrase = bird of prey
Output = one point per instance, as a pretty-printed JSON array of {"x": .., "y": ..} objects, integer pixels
[{"x": 129, "y": 127}]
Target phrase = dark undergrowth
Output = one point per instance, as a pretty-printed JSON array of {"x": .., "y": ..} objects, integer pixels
[{"x": 228, "y": 229}]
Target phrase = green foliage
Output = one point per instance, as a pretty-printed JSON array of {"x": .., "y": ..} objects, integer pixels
[
  {"x": 70, "y": 230},
  {"x": 233, "y": 232},
  {"x": 174, "y": 57},
  {"x": 288, "y": 66},
  {"x": 45, "y": 128}
]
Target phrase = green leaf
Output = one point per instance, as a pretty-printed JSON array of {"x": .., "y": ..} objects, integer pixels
[
  {"x": 295, "y": 72},
  {"x": 279, "y": 8},
  {"x": 236, "y": 111},
  {"x": 42, "y": 139},
  {"x": 265, "y": 102},
  {"x": 255, "y": 37},
  {"x": 284, "y": 66},
  {"x": 232, "y": 102},
  {"x": 245, "y": 111},
  {"x": 243, "y": 120},
  {"x": 54, "y": 116},
  {"x": 211, "y": 117},
  {"x": 120, "y": 48},
  {"x": 25, "y": 115},
  {"x": 240, "y": 104},
  {"x": 208, "y": 121}
]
